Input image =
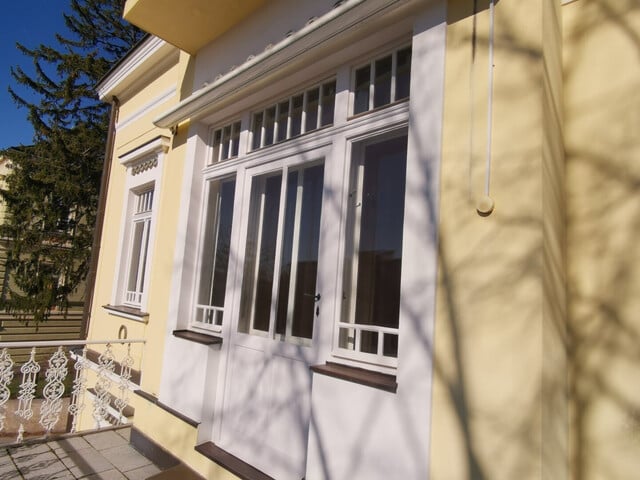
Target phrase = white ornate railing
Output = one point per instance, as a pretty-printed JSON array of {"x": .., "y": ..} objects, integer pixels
[{"x": 112, "y": 384}]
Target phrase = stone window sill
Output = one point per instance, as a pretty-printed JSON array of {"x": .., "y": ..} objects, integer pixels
[{"x": 381, "y": 381}]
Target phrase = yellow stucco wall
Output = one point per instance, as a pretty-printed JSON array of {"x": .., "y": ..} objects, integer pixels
[
  {"x": 499, "y": 409},
  {"x": 133, "y": 135},
  {"x": 602, "y": 127}
]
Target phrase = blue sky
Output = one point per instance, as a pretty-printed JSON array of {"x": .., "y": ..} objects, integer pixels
[{"x": 30, "y": 22}]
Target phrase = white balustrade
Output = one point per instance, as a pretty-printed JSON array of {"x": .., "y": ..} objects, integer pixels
[{"x": 112, "y": 384}]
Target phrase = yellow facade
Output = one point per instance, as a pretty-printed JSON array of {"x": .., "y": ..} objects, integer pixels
[{"x": 535, "y": 355}]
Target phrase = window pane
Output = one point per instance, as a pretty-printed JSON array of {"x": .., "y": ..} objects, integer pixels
[
  {"x": 287, "y": 250},
  {"x": 226, "y": 137},
  {"x": 307, "y": 261},
  {"x": 403, "y": 73},
  {"x": 372, "y": 271},
  {"x": 368, "y": 341},
  {"x": 382, "y": 82},
  {"x": 256, "y": 129},
  {"x": 269, "y": 125},
  {"x": 235, "y": 139},
  {"x": 328, "y": 103},
  {"x": 136, "y": 253},
  {"x": 296, "y": 115},
  {"x": 217, "y": 242},
  {"x": 311, "y": 117},
  {"x": 390, "y": 345},
  {"x": 283, "y": 116},
  {"x": 257, "y": 284},
  {"x": 380, "y": 246},
  {"x": 217, "y": 138},
  {"x": 363, "y": 78}
]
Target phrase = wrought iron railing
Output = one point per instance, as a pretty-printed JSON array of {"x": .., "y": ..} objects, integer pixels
[{"x": 59, "y": 382}]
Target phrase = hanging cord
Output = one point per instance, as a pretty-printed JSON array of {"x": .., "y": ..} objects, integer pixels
[{"x": 485, "y": 204}]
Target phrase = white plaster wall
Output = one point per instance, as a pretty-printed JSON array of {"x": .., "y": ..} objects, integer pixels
[
  {"x": 267, "y": 26},
  {"x": 359, "y": 432}
]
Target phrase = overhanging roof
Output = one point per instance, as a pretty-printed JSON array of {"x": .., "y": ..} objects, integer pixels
[{"x": 188, "y": 24}]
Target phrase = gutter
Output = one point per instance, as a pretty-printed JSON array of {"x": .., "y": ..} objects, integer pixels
[{"x": 100, "y": 214}]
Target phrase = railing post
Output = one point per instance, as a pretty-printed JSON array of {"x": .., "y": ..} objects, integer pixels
[
  {"x": 27, "y": 391},
  {"x": 6, "y": 375}
]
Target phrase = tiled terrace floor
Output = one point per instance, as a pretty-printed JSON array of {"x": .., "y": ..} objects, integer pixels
[{"x": 104, "y": 455}]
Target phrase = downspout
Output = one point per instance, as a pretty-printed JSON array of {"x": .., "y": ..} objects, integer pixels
[{"x": 97, "y": 232}]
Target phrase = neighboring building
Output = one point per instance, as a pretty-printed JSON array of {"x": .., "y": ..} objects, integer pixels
[
  {"x": 59, "y": 326},
  {"x": 379, "y": 239}
]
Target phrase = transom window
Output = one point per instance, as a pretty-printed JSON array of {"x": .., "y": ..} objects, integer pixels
[
  {"x": 368, "y": 328},
  {"x": 382, "y": 81},
  {"x": 294, "y": 116},
  {"x": 140, "y": 232},
  {"x": 214, "y": 254},
  {"x": 281, "y": 256},
  {"x": 226, "y": 142}
]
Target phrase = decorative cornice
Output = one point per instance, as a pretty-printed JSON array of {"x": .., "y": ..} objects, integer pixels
[
  {"x": 151, "y": 51},
  {"x": 145, "y": 156}
]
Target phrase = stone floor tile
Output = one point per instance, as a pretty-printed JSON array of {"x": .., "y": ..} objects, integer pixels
[
  {"x": 142, "y": 473},
  {"x": 71, "y": 444},
  {"x": 108, "y": 475},
  {"x": 125, "y": 433},
  {"x": 85, "y": 462},
  {"x": 104, "y": 440},
  {"x": 41, "y": 466},
  {"x": 8, "y": 471},
  {"x": 35, "y": 449},
  {"x": 125, "y": 458}
]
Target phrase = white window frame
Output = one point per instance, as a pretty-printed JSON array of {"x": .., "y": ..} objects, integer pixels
[
  {"x": 371, "y": 64},
  {"x": 143, "y": 173},
  {"x": 283, "y": 166},
  {"x": 350, "y": 239},
  {"x": 218, "y": 311},
  {"x": 142, "y": 202}
]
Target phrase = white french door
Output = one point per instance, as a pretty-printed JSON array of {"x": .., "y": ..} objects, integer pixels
[{"x": 265, "y": 417}]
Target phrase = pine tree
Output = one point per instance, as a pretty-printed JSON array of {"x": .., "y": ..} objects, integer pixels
[{"x": 52, "y": 191}]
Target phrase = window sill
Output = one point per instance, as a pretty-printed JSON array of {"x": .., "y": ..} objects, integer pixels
[
  {"x": 238, "y": 467},
  {"x": 154, "y": 400},
  {"x": 196, "y": 337},
  {"x": 127, "y": 312},
  {"x": 381, "y": 381}
]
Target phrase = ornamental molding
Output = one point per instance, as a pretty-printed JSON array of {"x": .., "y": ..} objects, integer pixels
[{"x": 145, "y": 157}]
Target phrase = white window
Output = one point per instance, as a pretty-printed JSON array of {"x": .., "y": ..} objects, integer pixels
[
  {"x": 279, "y": 295},
  {"x": 368, "y": 327},
  {"x": 139, "y": 246},
  {"x": 144, "y": 167},
  {"x": 382, "y": 81},
  {"x": 302, "y": 113},
  {"x": 214, "y": 255},
  {"x": 226, "y": 143}
]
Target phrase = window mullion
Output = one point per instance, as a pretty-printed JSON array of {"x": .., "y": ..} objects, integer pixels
[
  {"x": 303, "y": 117},
  {"x": 394, "y": 67},
  {"x": 357, "y": 214},
  {"x": 295, "y": 249},
  {"x": 263, "y": 130},
  {"x": 289, "y": 120},
  {"x": 372, "y": 79}
]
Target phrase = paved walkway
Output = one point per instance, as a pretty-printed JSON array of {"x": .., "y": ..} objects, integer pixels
[{"x": 95, "y": 456}]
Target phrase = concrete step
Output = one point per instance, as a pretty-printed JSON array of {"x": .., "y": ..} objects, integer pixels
[{"x": 179, "y": 472}]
